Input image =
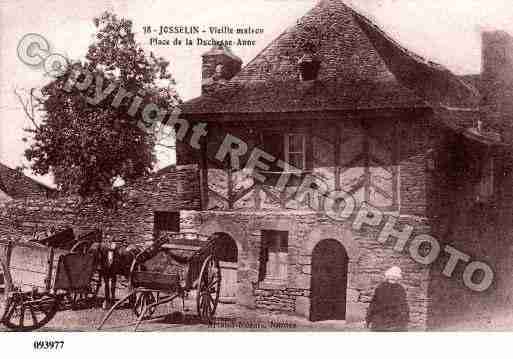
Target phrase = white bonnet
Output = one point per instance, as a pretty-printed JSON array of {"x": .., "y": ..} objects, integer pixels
[{"x": 394, "y": 272}]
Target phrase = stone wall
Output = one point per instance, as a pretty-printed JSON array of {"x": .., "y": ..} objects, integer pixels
[
  {"x": 415, "y": 138},
  {"x": 279, "y": 299},
  {"x": 480, "y": 229},
  {"x": 368, "y": 259},
  {"x": 171, "y": 189}
]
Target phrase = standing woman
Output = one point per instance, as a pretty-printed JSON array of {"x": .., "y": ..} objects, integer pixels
[{"x": 388, "y": 310}]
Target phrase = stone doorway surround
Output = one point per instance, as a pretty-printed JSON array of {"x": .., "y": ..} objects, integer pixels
[{"x": 342, "y": 233}]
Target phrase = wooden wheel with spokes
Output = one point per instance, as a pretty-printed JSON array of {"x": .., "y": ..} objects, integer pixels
[
  {"x": 25, "y": 311},
  {"x": 209, "y": 286}
]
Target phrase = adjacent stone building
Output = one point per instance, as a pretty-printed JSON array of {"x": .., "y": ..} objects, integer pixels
[
  {"x": 423, "y": 153},
  {"x": 142, "y": 212}
]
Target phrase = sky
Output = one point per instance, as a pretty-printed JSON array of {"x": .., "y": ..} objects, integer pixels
[{"x": 447, "y": 32}]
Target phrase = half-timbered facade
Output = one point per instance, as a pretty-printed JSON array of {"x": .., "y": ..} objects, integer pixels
[{"x": 334, "y": 99}]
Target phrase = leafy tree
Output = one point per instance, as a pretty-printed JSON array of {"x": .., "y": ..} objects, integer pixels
[{"x": 89, "y": 146}]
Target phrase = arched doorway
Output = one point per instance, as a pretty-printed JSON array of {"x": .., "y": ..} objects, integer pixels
[
  {"x": 227, "y": 252},
  {"x": 328, "y": 285}
]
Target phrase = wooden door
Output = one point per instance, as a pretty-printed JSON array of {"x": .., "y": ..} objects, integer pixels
[
  {"x": 328, "y": 281},
  {"x": 227, "y": 252},
  {"x": 228, "y": 282}
]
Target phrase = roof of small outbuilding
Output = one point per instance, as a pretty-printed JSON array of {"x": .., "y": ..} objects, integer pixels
[{"x": 16, "y": 185}]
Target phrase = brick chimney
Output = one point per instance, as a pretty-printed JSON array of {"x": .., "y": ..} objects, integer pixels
[
  {"x": 219, "y": 66},
  {"x": 497, "y": 81}
]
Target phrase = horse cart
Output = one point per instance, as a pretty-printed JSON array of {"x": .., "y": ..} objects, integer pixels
[
  {"x": 198, "y": 273},
  {"x": 67, "y": 240},
  {"x": 38, "y": 278}
]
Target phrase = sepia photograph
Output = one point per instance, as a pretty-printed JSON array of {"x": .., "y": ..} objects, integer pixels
[{"x": 332, "y": 166}]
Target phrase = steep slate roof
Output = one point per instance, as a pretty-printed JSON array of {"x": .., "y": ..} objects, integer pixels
[
  {"x": 361, "y": 68},
  {"x": 432, "y": 82},
  {"x": 16, "y": 185}
]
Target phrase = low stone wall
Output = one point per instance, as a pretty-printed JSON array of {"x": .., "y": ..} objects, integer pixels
[
  {"x": 172, "y": 189},
  {"x": 279, "y": 299}
]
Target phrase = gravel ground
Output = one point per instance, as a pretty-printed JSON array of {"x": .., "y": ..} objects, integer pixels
[
  {"x": 174, "y": 317},
  {"x": 229, "y": 317}
]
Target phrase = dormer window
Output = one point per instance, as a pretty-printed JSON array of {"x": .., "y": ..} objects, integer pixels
[
  {"x": 219, "y": 71},
  {"x": 309, "y": 67}
]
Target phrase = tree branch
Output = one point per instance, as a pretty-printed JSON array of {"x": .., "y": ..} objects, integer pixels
[{"x": 28, "y": 106}]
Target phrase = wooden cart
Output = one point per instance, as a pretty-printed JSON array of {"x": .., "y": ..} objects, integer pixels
[
  {"x": 67, "y": 240},
  {"x": 37, "y": 279},
  {"x": 149, "y": 289}
]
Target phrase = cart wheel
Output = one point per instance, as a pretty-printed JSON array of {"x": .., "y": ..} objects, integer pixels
[
  {"x": 208, "y": 289},
  {"x": 142, "y": 301},
  {"x": 25, "y": 312}
]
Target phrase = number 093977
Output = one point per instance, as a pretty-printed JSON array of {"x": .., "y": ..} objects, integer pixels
[{"x": 48, "y": 344}]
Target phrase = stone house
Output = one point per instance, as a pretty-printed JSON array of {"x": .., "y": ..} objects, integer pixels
[{"x": 422, "y": 152}]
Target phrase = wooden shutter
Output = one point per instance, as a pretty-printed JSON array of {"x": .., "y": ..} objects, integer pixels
[{"x": 273, "y": 144}]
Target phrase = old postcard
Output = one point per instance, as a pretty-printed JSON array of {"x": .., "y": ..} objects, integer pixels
[{"x": 269, "y": 165}]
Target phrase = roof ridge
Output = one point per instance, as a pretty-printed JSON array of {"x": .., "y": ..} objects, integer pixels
[
  {"x": 404, "y": 49},
  {"x": 459, "y": 88}
]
